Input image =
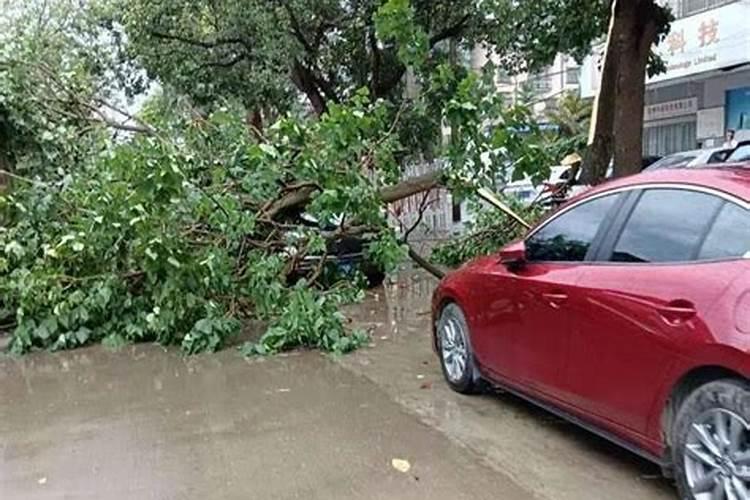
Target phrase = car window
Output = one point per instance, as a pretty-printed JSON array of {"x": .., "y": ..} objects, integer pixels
[
  {"x": 719, "y": 156},
  {"x": 667, "y": 225},
  {"x": 730, "y": 234},
  {"x": 742, "y": 153},
  {"x": 568, "y": 237}
]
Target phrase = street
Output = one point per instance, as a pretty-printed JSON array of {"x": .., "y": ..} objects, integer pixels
[{"x": 145, "y": 422}]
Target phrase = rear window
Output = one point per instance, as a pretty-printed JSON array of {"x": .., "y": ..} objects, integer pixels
[
  {"x": 729, "y": 237},
  {"x": 667, "y": 225}
]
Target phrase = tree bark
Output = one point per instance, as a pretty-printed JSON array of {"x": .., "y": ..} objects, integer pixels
[
  {"x": 637, "y": 37},
  {"x": 425, "y": 264},
  {"x": 6, "y": 164},
  {"x": 305, "y": 81},
  {"x": 411, "y": 186},
  {"x": 303, "y": 194},
  {"x": 601, "y": 135}
]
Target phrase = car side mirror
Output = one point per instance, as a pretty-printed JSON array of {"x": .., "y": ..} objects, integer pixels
[{"x": 513, "y": 255}]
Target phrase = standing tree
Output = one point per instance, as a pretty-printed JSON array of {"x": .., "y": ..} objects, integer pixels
[{"x": 617, "y": 127}]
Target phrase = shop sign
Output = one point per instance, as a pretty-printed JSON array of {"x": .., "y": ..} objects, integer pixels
[
  {"x": 715, "y": 39},
  {"x": 671, "y": 109}
]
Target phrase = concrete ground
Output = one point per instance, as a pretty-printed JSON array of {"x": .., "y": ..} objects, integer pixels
[
  {"x": 149, "y": 424},
  {"x": 145, "y": 423},
  {"x": 543, "y": 454}
]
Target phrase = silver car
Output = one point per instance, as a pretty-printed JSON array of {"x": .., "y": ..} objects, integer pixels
[{"x": 695, "y": 158}]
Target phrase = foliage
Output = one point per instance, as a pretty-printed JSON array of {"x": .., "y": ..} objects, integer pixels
[
  {"x": 491, "y": 231},
  {"x": 265, "y": 53},
  {"x": 531, "y": 33},
  {"x": 163, "y": 238},
  {"x": 56, "y": 68},
  {"x": 572, "y": 116},
  {"x": 310, "y": 320},
  {"x": 186, "y": 222}
]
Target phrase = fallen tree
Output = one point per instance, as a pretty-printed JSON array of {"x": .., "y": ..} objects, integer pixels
[{"x": 180, "y": 222}]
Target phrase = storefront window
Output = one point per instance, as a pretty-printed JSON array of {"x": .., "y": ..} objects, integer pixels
[
  {"x": 663, "y": 140},
  {"x": 684, "y": 8}
]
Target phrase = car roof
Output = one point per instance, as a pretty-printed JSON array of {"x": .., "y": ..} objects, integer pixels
[
  {"x": 690, "y": 152},
  {"x": 733, "y": 179}
]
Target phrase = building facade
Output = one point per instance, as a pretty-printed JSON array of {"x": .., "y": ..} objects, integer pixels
[
  {"x": 544, "y": 86},
  {"x": 706, "y": 88}
]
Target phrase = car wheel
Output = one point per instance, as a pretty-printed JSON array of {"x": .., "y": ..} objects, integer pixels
[
  {"x": 454, "y": 349},
  {"x": 375, "y": 277},
  {"x": 711, "y": 437}
]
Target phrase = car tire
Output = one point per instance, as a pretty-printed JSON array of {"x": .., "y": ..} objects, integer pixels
[
  {"x": 711, "y": 441},
  {"x": 375, "y": 277},
  {"x": 454, "y": 350}
]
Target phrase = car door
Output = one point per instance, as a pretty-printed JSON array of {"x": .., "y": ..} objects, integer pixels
[
  {"x": 666, "y": 261},
  {"x": 537, "y": 297}
]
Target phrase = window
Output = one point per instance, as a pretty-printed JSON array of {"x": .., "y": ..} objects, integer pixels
[
  {"x": 667, "y": 225},
  {"x": 684, "y": 8},
  {"x": 719, "y": 156},
  {"x": 567, "y": 238},
  {"x": 456, "y": 210},
  {"x": 668, "y": 139},
  {"x": 742, "y": 153},
  {"x": 572, "y": 76},
  {"x": 729, "y": 237}
]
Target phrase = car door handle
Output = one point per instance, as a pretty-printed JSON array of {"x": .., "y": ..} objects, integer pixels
[
  {"x": 555, "y": 299},
  {"x": 677, "y": 312}
]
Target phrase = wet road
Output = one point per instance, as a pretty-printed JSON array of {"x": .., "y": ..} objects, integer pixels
[
  {"x": 549, "y": 457},
  {"x": 148, "y": 424},
  {"x": 144, "y": 423}
]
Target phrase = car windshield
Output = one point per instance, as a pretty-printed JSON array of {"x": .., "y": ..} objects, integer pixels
[{"x": 742, "y": 153}]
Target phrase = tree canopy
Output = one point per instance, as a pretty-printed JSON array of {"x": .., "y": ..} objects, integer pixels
[
  {"x": 267, "y": 53},
  {"x": 179, "y": 220}
]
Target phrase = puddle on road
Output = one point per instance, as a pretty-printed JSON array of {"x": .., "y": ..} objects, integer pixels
[
  {"x": 401, "y": 308},
  {"x": 512, "y": 435}
]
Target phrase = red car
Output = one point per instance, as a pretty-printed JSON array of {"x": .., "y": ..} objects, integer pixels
[{"x": 627, "y": 312}]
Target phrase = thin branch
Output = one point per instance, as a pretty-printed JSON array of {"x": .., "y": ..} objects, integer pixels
[
  {"x": 142, "y": 124},
  {"x": 199, "y": 43},
  {"x": 420, "y": 216},
  {"x": 450, "y": 32},
  {"x": 297, "y": 30},
  {"x": 21, "y": 178}
]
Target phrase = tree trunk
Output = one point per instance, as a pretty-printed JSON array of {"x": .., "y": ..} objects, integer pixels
[
  {"x": 254, "y": 120},
  {"x": 303, "y": 194},
  {"x": 601, "y": 135},
  {"x": 6, "y": 165},
  {"x": 636, "y": 40},
  {"x": 305, "y": 81}
]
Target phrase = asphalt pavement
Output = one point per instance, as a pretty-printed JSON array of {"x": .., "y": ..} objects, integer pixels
[{"x": 148, "y": 423}]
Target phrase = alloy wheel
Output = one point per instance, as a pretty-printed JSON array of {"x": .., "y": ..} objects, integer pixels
[
  {"x": 453, "y": 348},
  {"x": 717, "y": 456}
]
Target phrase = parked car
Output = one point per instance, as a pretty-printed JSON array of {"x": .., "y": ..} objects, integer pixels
[
  {"x": 527, "y": 192},
  {"x": 693, "y": 158},
  {"x": 343, "y": 257},
  {"x": 627, "y": 312},
  {"x": 741, "y": 153}
]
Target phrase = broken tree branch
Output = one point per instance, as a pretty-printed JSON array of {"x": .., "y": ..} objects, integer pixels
[{"x": 425, "y": 264}]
